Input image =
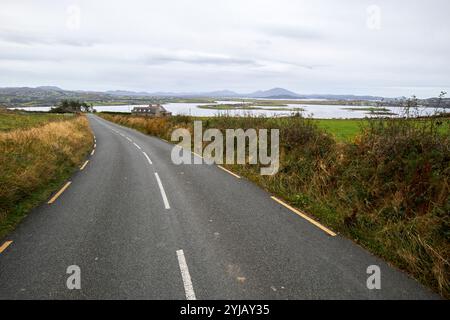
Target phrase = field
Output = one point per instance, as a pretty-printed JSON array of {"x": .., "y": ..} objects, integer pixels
[
  {"x": 385, "y": 183},
  {"x": 37, "y": 154},
  {"x": 342, "y": 129},
  {"x": 12, "y": 120}
]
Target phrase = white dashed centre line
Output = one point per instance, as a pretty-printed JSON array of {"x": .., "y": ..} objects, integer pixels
[
  {"x": 163, "y": 193},
  {"x": 188, "y": 288},
  {"x": 137, "y": 146},
  {"x": 148, "y": 158}
]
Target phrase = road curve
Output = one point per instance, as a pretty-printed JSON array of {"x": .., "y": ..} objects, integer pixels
[{"x": 140, "y": 227}]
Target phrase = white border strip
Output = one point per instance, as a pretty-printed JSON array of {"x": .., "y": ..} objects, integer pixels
[
  {"x": 148, "y": 158},
  {"x": 188, "y": 288},
  {"x": 163, "y": 193},
  {"x": 137, "y": 146}
]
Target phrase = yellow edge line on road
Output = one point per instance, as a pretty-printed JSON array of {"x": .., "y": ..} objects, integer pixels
[
  {"x": 5, "y": 245},
  {"x": 84, "y": 165},
  {"x": 59, "y": 192},
  {"x": 304, "y": 216},
  {"x": 195, "y": 153},
  {"x": 232, "y": 173}
]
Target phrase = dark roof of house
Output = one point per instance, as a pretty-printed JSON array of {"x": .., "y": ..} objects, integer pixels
[{"x": 150, "y": 108}]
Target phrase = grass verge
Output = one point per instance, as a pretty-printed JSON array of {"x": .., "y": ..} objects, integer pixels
[
  {"x": 387, "y": 187},
  {"x": 35, "y": 162}
]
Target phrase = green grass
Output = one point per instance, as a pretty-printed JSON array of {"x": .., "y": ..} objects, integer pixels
[
  {"x": 342, "y": 129},
  {"x": 40, "y": 195},
  {"x": 11, "y": 120}
]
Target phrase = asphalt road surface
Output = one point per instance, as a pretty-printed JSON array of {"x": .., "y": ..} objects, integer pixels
[{"x": 140, "y": 227}]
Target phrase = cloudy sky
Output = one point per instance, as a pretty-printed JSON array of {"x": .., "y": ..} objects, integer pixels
[{"x": 389, "y": 48}]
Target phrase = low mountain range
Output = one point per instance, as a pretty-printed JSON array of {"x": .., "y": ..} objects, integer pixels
[
  {"x": 51, "y": 95},
  {"x": 274, "y": 93}
]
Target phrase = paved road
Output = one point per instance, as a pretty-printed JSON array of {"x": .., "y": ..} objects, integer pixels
[{"x": 145, "y": 228}]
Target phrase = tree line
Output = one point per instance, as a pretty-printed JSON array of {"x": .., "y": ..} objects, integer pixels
[{"x": 72, "y": 106}]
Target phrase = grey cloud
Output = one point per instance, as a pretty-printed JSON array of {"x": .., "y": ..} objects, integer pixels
[
  {"x": 292, "y": 31},
  {"x": 23, "y": 56},
  {"x": 305, "y": 66},
  {"x": 306, "y": 46},
  {"x": 17, "y": 37},
  {"x": 196, "y": 58}
]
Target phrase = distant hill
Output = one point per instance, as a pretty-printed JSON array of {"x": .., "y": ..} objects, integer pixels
[
  {"x": 275, "y": 92},
  {"x": 54, "y": 88},
  {"x": 342, "y": 97},
  {"x": 222, "y": 93},
  {"x": 31, "y": 92},
  {"x": 285, "y": 97},
  {"x": 127, "y": 93},
  {"x": 51, "y": 95}
]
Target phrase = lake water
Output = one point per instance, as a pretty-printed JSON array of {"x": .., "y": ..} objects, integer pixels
[{"x": 315, "y": 111}]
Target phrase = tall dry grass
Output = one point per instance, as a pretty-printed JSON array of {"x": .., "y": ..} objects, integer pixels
[{"x": 34, "y": 161}]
